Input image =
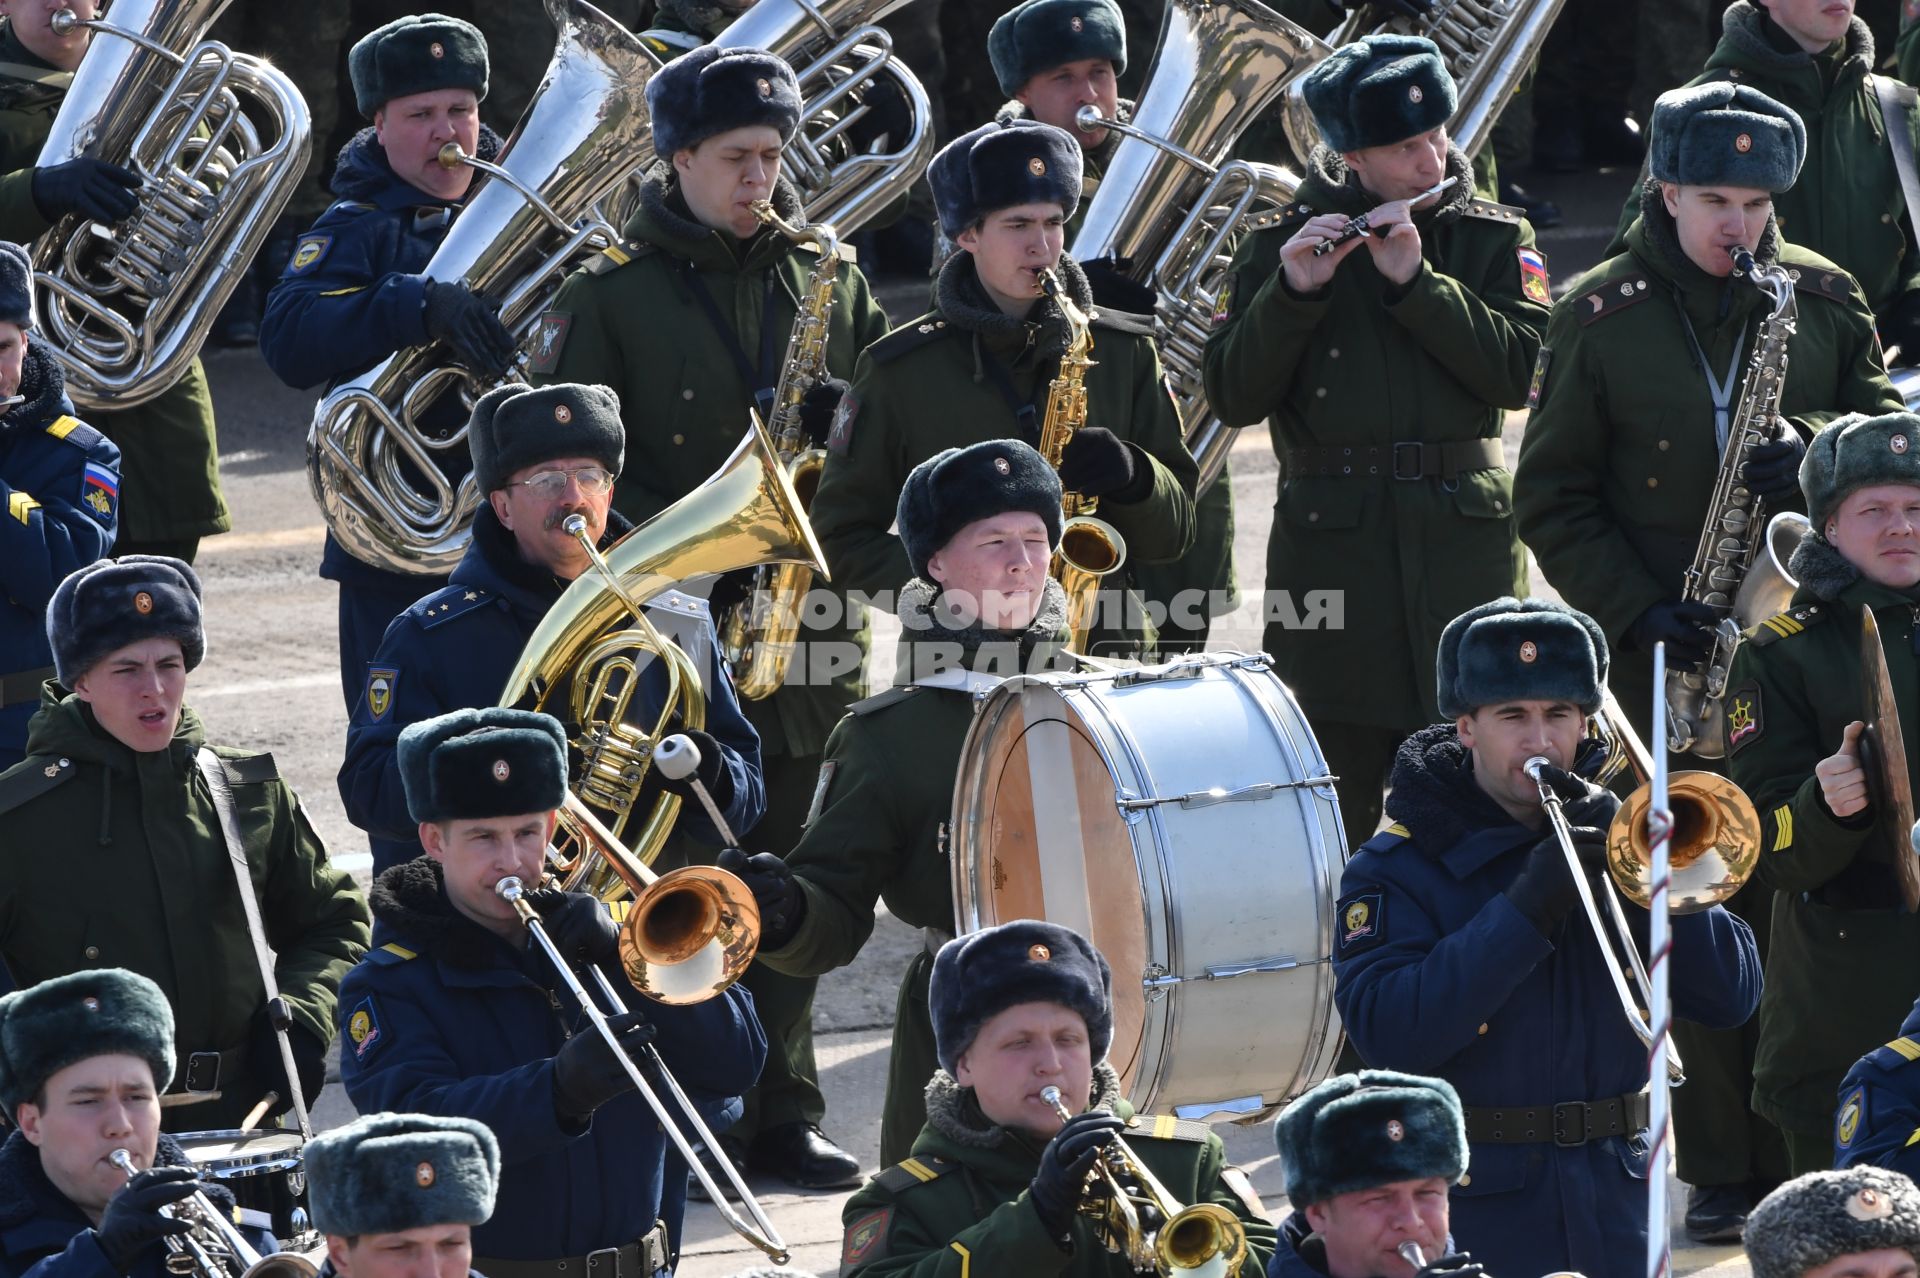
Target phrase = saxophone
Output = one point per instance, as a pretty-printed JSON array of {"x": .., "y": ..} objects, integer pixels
[
  {"x": 758, "y": 634},
  {"x": 1729, "y": 574},
  {"x": 1090, "y": 548}
]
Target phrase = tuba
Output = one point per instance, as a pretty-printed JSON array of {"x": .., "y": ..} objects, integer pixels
[
  {"x": 1171, "y": 202},
  {"x": 219, "y": 140},
  {"x": 383, "y": 477}
]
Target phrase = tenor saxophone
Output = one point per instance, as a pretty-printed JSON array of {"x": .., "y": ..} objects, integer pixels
[
  {"x": 1090, "y": 548},
  {"x": 1730, "y": 574},
  {"x": 758, "y": 634}
]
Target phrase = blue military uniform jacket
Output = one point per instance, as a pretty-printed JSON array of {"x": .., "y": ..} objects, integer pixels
[
  {"x": 1878, "y": 1121},
  {"x": 456, "y": 647},
  {"x": 1438, "y": 973},
  {"x": 1301, "y": 1254},
  {"x": 448, "y": 1019},
  {"x": 44, "y": 1235},
  {"x": 60, "y": 481}
]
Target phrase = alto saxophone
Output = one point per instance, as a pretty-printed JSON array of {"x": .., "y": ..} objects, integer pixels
[
  {"x": 1729, "y": 575},
  {"x": 758, "y": 634},
  {"x": 1090, "y": 548}
]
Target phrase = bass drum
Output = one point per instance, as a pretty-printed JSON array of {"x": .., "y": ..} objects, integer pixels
[{"x": 1182, "y": 817}]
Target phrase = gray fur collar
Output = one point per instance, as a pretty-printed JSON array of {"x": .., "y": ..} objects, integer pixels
[
  {"x": 952, "y": 1111},
  {"x": 1747, "y": 31},
  {"x": 662, "y": 213},
  {"x": 932, "y": 639},
  {"x": 1819, "y": 568},
  {"x": 1333, "y": 181},
  {"x": 962, "y": 299}
]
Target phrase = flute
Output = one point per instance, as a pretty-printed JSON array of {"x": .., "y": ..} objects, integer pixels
[{"x": 1359, "y": 226}]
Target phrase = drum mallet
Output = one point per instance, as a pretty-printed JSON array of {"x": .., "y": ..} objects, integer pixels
[{"x": 678, "y": 759}]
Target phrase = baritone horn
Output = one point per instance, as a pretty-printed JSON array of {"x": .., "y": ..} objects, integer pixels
[{"x": 213, "y": 1246}]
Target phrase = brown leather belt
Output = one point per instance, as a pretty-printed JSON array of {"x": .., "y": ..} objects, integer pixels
[
  {"x": 1566, "y": 1124},
  {"x": 1406, "y": 460},
  {"x": 646, "y": 1257},
  {"x": 23, "y": 685}
]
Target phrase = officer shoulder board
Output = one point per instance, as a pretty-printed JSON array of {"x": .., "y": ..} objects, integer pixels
[
  {"x": 922, "y": 1169},
  {"x": 1612, "y": 297},
  {"x": 909, "y": 336},
  {"x": 881, "y": 700},
  {"x": 1121, "y": 321},
  {"x": 1388, "y": 839},
  {"x": 75, "y": 432},
  {"x": 1901, "y": 1051},
  {"x": 247, "y": 767},
  {"x": 1167, "y": 1127},
  {"x": 1785, "y": 625},
  {"x": 1829, "y": 282},
  {"x": 615, "y": 256},
  {"x": 39, "y": 774},
  {"x": 1288, "y": 218},
  {"x": 449, "y": 604},
  {"x": 1492, "y": 211},
  {"x": 389, "y": 954}
]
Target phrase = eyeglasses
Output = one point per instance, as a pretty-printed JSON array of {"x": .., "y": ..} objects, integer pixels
[{"x": 593, "y": 481}]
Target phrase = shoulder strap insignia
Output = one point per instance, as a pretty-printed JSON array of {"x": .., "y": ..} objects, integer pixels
[
  {"x": 453, "y": 602},
  {"x": 881, "y": 700},
  {"x": 1901, "y": 1051},
  {"x": 909, "y": 336},
  {"x": 247, "y": 767},
  {"x": 33, "y": 778},
  {"x": 1388, "y": 839},
  {"x": 1121, "y": 321},
  {"x": 390, "y": 954},
  {"x": 1835, "y": 285},
  {"x": 1494, "y": 212},
  {"x": 1785, "y": 625},
  {"x": 1167, "y": 1127},
  {"x": 919, "y": 1170},
  {"x": 1612, "y": 297},
  {"x": 615, "y": 256},
  {"x": 75, "y": 432}
]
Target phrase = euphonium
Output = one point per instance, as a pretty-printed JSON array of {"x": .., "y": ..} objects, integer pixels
[
  {"x": 758, "y": 633},
  {"x": 219, "y": 140},
  {"x": 1202, "y": 1241},
  {"x": 1729, "y": 574},
  {"x": 1171, "y": 202},
  {"x": 1090, "y": 549},
  {"x": 213, "y": 1247},
  {"x": 375, "y": 464}
]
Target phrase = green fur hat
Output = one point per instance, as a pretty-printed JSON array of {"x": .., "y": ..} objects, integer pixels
[
  {"x": 472, "y": 765},
  {"x": 1359, "y": 1131},
  {"x": 516, "y": 426},
  {"x": 391, "y": 1172},
  {"x": 16, "y": 285},
  {"x": 1520, "y": 650},
  {"x": 416, "y": 54},
  {"x": 1725, "y": 134},
  {"x": 102, "y": 1011},
  {"x": 980, "y": 975},
  {"x": 957, "y": 486},
  {"x": 101, "y": 608},
  {"x": 709, "y": 90},
  {"x": 1855, "y": 452},
  {"x": 1038, "y": 35},
  {"x": 1819, "y": 1217},
  {"x": 1381, "y": 89},
  {"x": 1000, "y": 165}
]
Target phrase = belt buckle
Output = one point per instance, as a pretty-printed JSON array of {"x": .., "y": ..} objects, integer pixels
[
  {"x": 202, "y": 1073},
  {"x": 607, "y": 1256},
  {"x": 1566, "y": 1114},
  {"x": 1419, "y": 459}
]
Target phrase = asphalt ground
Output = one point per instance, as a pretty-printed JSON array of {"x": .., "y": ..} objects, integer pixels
[{"x": 271, "y": 682}]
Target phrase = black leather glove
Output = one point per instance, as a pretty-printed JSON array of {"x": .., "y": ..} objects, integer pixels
[
  {"x": 578, "y": 925},
  {"x": 263, "y": 1055},
  {"x": 782, "y": 904},
  {"x": 713, "y": 772},
  {"x": 470, "y": 324},
  {"x": 1096, "y": 463},
  {"x": 1900, "y": 326},
  {"x": 1580, "y": 803},
  {"x": 1107, "y": 277},
  {"x": 1544, "y": 890},
  {"x": 1459, "y": 1264},
  {"x": 132, "y": 1221},
  {"x": 1064, "y": 1165},
  {"x": 729, "y": 588},
  {"x": 1773, "y": 469},
  {"x": 92, "y": 188},
  {"x": 586, "y": 1072},
  {"x": 818, "y": 407},
  {"x": 888, "y": 117},
  {"x": 1684, "y": 627}
]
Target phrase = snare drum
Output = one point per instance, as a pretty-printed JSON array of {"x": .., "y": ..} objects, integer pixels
[
  {"x": 1181, "y": 816},
  {"x": 232, "y": 1156}
]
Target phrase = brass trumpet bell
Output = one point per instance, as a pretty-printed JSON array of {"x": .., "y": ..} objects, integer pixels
[
  {"x": 1204, "y": 1239},
  {"x": 689, "y": 935},
  {"x": 1715, "y": 844}
]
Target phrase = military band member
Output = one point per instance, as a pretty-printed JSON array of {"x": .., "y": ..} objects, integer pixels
[
  {"x": 1384, "y": 375},
  {"x": 1860, "y": 1223},
  {"x": 116, "y": 776},
  {"x": 1840, "y": 971},
  {"x": 169, "y": 460},
  {"x": 1879, "y": 1112},
  {"x": 979, "y": 525},
  {"x": 1370, "y": 1158},
  {"x": 997, "y": 1176},
  {"x": 83, "y": 1060},
  {"x": 459, "y": 1015},
  {"x": 61, "y": 481},
  {"x": 689, "y": 319},
  {"x": 540, "y": 456},
  {"x": 979, "y": 365},
  {"x": 1460, "y": 951},
  {"x": 399, "y": 1194},
  {"x": 353, "y": 292}
]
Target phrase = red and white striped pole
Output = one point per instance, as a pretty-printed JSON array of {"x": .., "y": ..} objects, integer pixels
[{"x": 1660, "y": 1009}]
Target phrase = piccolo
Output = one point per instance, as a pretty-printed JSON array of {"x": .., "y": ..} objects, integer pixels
[{"x": 1359, "y": 226}]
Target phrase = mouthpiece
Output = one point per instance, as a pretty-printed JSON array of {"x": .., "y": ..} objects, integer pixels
[
  {"x": 121, "y": 1158},
  {"x": 1742, "y": 258},
  {"x": 64, "y": 21},
  {"x": 451, "y": 156},
  {"x": 1535, "y": 764},
  {"x": 509, "y": 888},
  {"x": 1088, "y": 118},
  {"x": 574, "y": 525},
  {"x": 1410, "y": 1251}
]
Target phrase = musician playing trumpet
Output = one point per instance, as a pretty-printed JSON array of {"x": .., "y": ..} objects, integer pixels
[
  {"x": 1460, "y": 950},
  {"x": 83, "y": 1060},
  {"x": 456, "y": 1016},
  {"x": 1023, "y": 1015},
  {"x": 398, "y": 1195}
]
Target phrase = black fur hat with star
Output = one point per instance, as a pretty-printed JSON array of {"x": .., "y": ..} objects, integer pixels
[
  {"x": 1376, "y": 1127},
  {"x": 1000, "y": 165},
  {"x": 472, "y": 765}
]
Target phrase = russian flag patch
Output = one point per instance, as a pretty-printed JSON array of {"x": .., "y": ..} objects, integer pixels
[
  {"x": 100, "y": 491},
  {"x": 1533, "y": 276}
]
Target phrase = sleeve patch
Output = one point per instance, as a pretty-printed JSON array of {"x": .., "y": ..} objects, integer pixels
[
  {"x": 1538, "y": 386},
  {"x": 549, "y": 340},
  {"x": 1360, "y": 923},
  {"x": 866, "y": 1238},
  {"x": 381, "y": 681},
  {"x": 1223, "y": 305},
  {"x": 309, "y": 253},
  {"x": 363, "y": 1029},
  {"x": 1744, "y": 723},
  {"x": 821, "y": 788},
  {"x": 100, "y": 491},
  {"x": 1533, "y": 276},
  {"x": 1846, "y": 1124},
  {"x": 840, "y": 436}
]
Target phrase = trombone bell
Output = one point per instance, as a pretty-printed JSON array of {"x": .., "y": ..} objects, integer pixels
[
  {"x": 1715, "y": 845},
  {"x": 689, "y": 935}
]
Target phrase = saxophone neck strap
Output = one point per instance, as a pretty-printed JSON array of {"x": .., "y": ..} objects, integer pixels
[
  {"x": 1721, "y": 388},
  {"x": 761, "y": 382},
  {"x": 1023, "y": 410}
]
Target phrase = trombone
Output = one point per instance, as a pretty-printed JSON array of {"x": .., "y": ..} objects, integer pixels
[
  {"x": 215, "y": 1247},
  {"x": 1202, "y": 1241}
]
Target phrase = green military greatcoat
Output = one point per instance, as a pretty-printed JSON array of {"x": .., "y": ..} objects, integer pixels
[
  {"x": 169, "y": 463},
  {"x": 1845, "y": 964}
]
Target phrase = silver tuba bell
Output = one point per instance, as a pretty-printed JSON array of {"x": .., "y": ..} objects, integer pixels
[
  {"x": 382, "y": 476},
  {"x": 219, "y": 140},
  {"x": 1172, "y": 203}
]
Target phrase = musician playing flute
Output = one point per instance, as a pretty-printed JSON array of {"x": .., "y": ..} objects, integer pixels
[
  {"x": 398, "y": 1195},
  {"x": 1461, "y": 950},
  {"x": 1840, "y": 977},
  {"x": 998, "y": 1175},
  {"x": 83, "y": 1061},
  {"x": 458, "y": 1015}
]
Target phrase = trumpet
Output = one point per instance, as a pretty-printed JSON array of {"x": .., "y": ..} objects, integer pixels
[
  {"x": 760, "y": 1230},
  {"x": 1411, "y": 1253},
  {"x": 1202, "y": 1241},
  {"x": 214, "y": 1247}
]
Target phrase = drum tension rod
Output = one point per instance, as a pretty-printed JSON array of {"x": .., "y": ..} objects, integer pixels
[
  {"x": 1224, "y": 972},
  {"x": 1245, "y": 794}
]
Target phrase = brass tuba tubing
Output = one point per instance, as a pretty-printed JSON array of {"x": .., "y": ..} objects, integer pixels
[
  {"x": 760, "y": 1231},
  {"x": 226, "y": 1253}
]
